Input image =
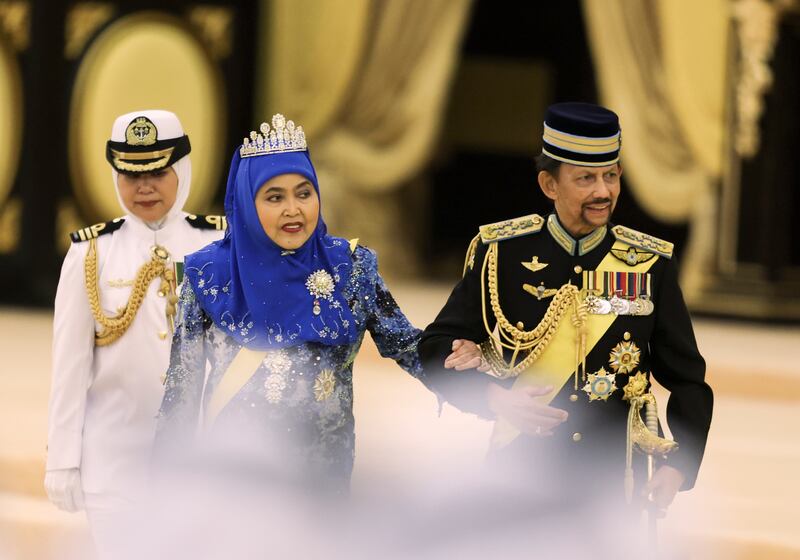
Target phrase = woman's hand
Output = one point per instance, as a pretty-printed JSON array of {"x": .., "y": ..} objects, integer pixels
[{"x": 466, "y": 355}]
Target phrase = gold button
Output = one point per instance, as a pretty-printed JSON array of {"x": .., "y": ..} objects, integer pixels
[
  {"x": 576, "y": 437},
  {"x": 161, "y": 294},
  {"x": 162, "y": 335},
  {"x": 573, "y": 398},
  {"x": 577, "y": 269},
  {"x": 520, "y": 325},
  {"x": 627, "y": 336}
]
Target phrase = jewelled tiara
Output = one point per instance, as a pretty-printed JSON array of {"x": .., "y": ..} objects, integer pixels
[{"x": 283, "y": 137}]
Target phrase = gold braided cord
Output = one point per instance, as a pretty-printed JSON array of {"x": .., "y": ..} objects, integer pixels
[
  {"x": 535, "y": 341},
  {"x": 115, "y": 326}
]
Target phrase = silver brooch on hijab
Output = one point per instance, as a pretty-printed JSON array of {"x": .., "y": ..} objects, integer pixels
[{"x": 320, "y": 285}]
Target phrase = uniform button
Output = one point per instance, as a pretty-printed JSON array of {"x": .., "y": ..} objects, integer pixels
[
  {"x": 627, "y": 336},
  {"x": 521, "y": 325},
  {"x": 576, "y": 437},
  {"x": 577, "y": 269},
  {"x": 162, "y": 335},
  {"x": 161, "y": 294},
  {"x": 573, "y": 398}
]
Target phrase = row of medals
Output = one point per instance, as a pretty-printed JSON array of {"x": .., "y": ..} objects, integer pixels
[{"x": 598, "y": 305}]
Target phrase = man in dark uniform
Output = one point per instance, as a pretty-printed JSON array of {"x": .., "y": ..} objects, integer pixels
[{"x": 558, "y": 324}]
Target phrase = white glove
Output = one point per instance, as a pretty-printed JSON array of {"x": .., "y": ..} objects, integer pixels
[{"x": 64, "y": 489}]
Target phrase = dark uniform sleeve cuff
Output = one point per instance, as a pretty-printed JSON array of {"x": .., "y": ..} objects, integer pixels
[{"x": 466, "y": 390}]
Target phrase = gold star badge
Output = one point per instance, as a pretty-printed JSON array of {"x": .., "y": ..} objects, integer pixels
[
  {"x": 600, "y": 385},
  {"x": 624, "y": 357}
]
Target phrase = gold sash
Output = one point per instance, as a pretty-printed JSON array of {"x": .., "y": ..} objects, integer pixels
[
  {"x": 239, "y": 372},
  {"x": 557, "y": 363}
]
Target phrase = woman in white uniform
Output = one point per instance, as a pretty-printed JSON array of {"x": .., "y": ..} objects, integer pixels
[{"x": 113, "y": 319}]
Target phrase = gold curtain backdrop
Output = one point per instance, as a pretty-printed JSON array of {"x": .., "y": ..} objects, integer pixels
[
  {"x": 662, "y": 66},
  {"x": 369, "y": 85}
]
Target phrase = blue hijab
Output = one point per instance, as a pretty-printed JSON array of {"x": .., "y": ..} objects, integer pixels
[{"x": 260, "y": 294}]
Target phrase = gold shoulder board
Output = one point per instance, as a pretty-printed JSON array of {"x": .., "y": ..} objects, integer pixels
[
  {"x": 509, "y": 229},
  {"x": 643, "y": 241},
  {"x": 95, "y": 231},
  {"x": 219, "y": 223}
]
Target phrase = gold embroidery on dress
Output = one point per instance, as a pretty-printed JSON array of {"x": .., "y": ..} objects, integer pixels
[{"x": 324, "y": 385}]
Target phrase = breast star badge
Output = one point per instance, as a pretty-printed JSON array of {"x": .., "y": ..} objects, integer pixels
[{"x": 600, "y": 385}]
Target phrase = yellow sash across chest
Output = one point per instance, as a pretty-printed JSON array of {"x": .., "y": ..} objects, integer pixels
[
  {"x": 239, "y": 372},
  {"x": 557, "y": 364}
]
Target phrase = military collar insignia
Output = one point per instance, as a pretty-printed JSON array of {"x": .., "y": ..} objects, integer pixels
[
  {"x": 95, "y": 231},
  {"x": 641, "y": 240},
  {"x": 141, "y": 132},
  {"x": 508, "y": 229},
  {"x": 568, "y": 243}
]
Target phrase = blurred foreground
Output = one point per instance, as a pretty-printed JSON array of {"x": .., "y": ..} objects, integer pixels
[{"x": 412, "y": 495}]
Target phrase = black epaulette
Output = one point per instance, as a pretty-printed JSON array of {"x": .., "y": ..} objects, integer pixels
[
  {"x": 95, "y": 231},
  {"x": 219, "y": 223},
  {"x": 643, "y": 241},
  {"x": 509, "y": 229}
]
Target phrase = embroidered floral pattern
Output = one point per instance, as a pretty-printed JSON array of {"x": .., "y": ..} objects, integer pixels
[{"x": 293, "y": 379}]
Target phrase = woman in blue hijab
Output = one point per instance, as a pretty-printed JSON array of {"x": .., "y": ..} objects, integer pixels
[{"x": 278, "y": 310}]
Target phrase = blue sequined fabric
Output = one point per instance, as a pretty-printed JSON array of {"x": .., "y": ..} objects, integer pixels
[{"x": 300, "y": 398}]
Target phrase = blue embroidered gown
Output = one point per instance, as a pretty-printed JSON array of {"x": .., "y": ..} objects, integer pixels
[{"x": 300, "y": 398}]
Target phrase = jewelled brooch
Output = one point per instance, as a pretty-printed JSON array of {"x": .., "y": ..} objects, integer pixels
[{"x": 320, "y": 285}]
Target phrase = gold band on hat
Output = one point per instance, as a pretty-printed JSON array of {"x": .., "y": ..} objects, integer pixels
[
  {"x": 581, "y": 144},
  {"x": 615, "y": 159},
  {"x": 161, "y": 157}
]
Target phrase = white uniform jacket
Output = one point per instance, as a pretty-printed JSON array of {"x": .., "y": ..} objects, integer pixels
[{"x": 104, "y": 400}]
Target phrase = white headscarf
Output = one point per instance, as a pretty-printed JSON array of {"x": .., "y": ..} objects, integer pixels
[{"x": 168, "y": 126}]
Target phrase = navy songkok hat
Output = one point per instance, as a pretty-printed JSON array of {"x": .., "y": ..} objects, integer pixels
[{"x": 581, "y": 134}]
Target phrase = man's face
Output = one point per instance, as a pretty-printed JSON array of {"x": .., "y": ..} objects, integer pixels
[{"x": 584, "y": 197}]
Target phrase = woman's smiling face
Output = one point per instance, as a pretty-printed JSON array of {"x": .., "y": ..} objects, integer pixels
[{"x": 288, "y": 209}]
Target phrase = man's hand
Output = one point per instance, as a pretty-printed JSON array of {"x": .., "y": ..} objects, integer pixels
[
  {"x": 520, "y": 408},
  {"x": 663, "y": 486},
  {"x": 64, "y": 489},
  {"x": 466, "y": 355}
]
